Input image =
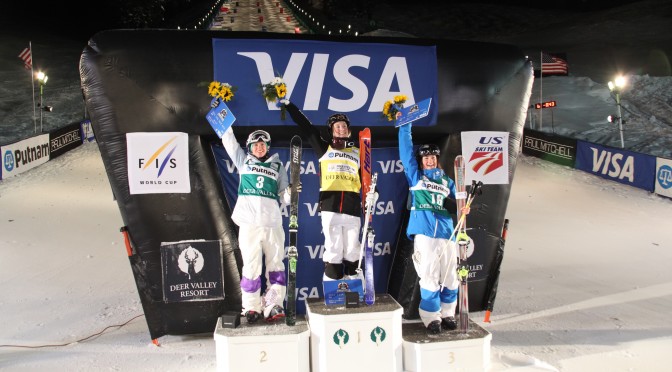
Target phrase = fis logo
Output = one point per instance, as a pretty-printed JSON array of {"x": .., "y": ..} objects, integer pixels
[{"x": 161, "y": 158}]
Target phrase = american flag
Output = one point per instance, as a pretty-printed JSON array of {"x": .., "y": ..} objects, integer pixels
[
  {"x": 27, "y": 57},
  {"x": 552, "y": 65}
]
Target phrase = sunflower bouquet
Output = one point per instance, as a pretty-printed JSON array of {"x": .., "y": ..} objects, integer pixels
[
  {"x": 223, "y": 91},
  {"x": 390, "y": 108},
  {"x": 275, "y": 91}
]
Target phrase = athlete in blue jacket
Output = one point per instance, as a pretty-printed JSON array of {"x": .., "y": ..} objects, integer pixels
[{"x": 430, "y": 227}]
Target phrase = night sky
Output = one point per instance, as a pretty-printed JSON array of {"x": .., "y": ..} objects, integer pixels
[{"x": 84, "y": 20}]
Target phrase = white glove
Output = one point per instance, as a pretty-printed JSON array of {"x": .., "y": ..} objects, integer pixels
[
  {"x": 282, "y": 102},
  {"x": 371, "y": 198},
  {"x": 288, "y": 192},
  {"x": 298, "y": 188}
]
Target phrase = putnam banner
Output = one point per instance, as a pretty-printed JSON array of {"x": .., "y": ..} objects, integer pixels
[
  {"x": 192, "y": 270},
  {"x": 27, "y": 154},
  {"x": 158, "y": 163},
  {"x": 664, "y": 177},
  {"x": 487, "y": 157}
]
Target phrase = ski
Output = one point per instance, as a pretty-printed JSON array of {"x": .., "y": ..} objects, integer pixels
[
  {"x": 460, "y": 188},
  {"x": 368, "y": 235},
  {"x": 462, "y": 245},
  {"x": 292, "y": 253},
  {"x": 463, "y": 242},
  {"x": 370, "y": 290}
]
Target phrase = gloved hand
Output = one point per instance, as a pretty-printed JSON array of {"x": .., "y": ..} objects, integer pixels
[
  {"x": 298, "y": 188},
  {"x": 282, "y": 102},
  {"x": 371, "y": 198}
]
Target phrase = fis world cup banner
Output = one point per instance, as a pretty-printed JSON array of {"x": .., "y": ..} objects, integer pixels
[
  {"x": 310, "y": 245},
  {"x": 352, "y": 78},
  {"x": 158, "y": 162}
]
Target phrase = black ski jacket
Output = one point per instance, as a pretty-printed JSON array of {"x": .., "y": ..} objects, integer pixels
[{"x": 346, "y": 202}]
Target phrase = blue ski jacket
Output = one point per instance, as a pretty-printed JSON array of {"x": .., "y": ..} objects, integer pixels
[{"x": 432, "y": 223}]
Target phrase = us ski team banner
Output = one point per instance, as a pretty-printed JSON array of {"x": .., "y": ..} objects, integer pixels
[
  {"x": 487, "y": 157},
  {"x": 352, "y": 78},
  {"x": 386, "y": 218}
]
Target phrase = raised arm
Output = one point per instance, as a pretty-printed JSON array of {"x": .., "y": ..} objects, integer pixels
[
  {"x": 407, "y": 155},
  {"x": 311, "y": 132},
  {"x": 232, "y": 147}
]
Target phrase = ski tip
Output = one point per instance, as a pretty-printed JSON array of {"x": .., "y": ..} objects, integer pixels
[{"x": 365, "y": 132}]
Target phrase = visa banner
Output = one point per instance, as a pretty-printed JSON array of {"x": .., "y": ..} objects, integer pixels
[
  {"x": 325, "y": 77},
  {"x": 386, "y": 218},
  {"x": 618, "y": 165}
]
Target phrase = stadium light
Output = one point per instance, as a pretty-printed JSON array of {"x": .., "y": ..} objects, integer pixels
[
  {"x": 42, "y": 79},
  {"x": 616, "y": 87}
]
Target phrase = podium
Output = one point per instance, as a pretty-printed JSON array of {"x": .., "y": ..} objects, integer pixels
[
  {"x": 447, "y": 351},
  {"x": 263, "y": 347},
  {"x": 333, "y": 338},
  {"x": 366, "y": 338}
]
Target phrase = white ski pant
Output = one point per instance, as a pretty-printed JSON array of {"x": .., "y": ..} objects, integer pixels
[
  {"x": 341, "y": 237},
  {"x": 255, "y": 241},
  {"x": 435, "y": 261}
]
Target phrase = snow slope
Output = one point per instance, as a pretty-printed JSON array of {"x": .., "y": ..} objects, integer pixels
[{"x": 585, "y": 281}]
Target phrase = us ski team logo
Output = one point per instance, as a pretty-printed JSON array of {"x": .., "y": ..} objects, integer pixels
[{"x": 486, "y": 162}]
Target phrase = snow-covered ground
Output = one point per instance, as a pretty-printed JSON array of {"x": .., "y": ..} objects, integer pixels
[{"x": 585, "y": 282}]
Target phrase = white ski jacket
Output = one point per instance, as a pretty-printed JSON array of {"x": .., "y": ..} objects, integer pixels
[{"x": 262, "y": 185}]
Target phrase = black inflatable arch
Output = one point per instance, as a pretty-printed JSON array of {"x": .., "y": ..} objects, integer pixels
[{"x": 145, "y": 81}]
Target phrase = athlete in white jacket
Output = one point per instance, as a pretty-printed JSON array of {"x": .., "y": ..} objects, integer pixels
[{"x": 263, "y": 183}]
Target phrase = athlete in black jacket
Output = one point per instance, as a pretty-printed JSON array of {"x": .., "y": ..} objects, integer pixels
[{"x": 340, "y": 185}]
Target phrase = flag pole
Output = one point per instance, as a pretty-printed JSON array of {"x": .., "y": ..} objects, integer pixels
[
  {"x": 541, "y": 87},
  {"x": 32, "y": 79}
]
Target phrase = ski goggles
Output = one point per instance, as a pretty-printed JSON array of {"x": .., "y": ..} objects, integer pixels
[
  {"x": 259, "y": 135},
  {"x": 336, "y": 118},
  {"x": 426, "y": 150}
]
